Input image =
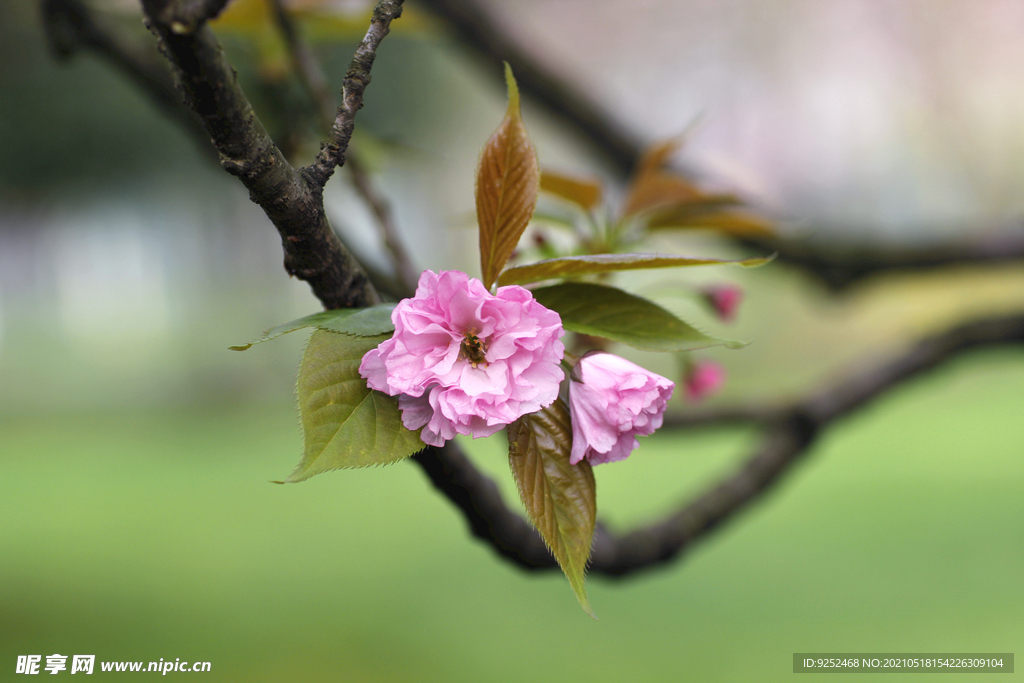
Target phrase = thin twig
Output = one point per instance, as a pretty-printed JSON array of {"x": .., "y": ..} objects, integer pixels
[
  {"x": 400, "y": 257},
  {"x": 311, "y": 75},
  {"x": 293, "y": 203},
  {"x": 357, "y": 78},
  {"x": 307, "y": 66}
]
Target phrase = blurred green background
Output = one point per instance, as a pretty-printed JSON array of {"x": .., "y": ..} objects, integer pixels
[{"x": 137, "y": 521}]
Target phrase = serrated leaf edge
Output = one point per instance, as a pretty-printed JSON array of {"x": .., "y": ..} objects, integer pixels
[
  {"x": 579, "y": 590},
  {"x": 301, "y": 324}
]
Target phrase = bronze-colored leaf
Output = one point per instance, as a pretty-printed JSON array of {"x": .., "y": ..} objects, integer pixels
[
  {"x": 593, "y": 264},
  {"x": 507, "y": 183},
  {"x": 730, "y": 222},
  {"x": 657, "y": 189},
  {"x": 582, "y": 192},
  {"x": 670, "y": 200},
  {"x": 560, "y": 498},
  {"x": 656, "y": 156}
]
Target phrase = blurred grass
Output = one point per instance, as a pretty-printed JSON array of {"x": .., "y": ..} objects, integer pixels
[{"x": 136, "y": 535}]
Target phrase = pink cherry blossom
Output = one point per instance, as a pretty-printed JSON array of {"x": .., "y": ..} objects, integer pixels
[
  {"x": 703, "y": 378},
  {"x": 612, "y": 401},
  {"x": 465, "y": 361},
  {"x": 725, "y": 299}
]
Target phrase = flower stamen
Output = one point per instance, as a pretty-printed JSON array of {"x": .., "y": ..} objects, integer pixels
[{"x": 473, "y": 349}]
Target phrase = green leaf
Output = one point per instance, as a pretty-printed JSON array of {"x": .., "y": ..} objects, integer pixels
[
  {"x": 344, "y": 422},
  {"x": 734, "y": 223},
  {"x": 507, "y": 184},
  {"x": 578, "y": 266},
  {"x": 611, "y": 313},
  {"x": 359, "y": 322},
  {"x": 560, "y": 498}
]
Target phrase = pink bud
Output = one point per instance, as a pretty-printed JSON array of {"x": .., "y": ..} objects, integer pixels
[
  {"x": 612, "y": 401},
  {"x": 725, "y": 299},
  {"x": 703, "y": 379}
]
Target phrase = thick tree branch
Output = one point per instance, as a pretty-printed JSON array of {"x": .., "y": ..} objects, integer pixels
[
  {"x": 478, "y": 499},
  {"x": 71, "y": 25},
  {"x": 290, "y": 199},
  {"x": 185, "y": 16},
  {"x": 357, "y": 78},
  {"x": 788, "y": 435},
  {"x": 840, "y": 267}
]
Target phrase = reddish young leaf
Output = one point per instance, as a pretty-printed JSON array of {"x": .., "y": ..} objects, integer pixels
[
  {"x": 507, "y": 183},
  {"x": 658, "y": 189},
  {"x": 656, "y": 157},
  {"x": 735, "y": 223},
  {"x": 579, "y": 191},
  {"x": 560, "y": 498}
]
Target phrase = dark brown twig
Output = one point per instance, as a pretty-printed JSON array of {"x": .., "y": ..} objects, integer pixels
[
  {"x": 311, "y": 75},
  {"x": 357, "y": 78},
  {"x": 185, "y": 16},
  {"x": 307, "y": 66},
  {"x": 290, "y": 199},
  {"x": 406, "y": 270}
]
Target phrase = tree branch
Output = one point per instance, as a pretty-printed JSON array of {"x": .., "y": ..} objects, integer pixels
[
  {"x": 292, "y": 201},
  {"x": 311, "y": 75},
  {"x": 841, "y": 267},
  {"x": 789, "y": 433},
  {"x": 357, "y": 78},
  {"x": 185, "y": 16}
]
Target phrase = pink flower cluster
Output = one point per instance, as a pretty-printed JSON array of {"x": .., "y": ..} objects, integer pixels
[
  {"x": 613, "y": 401},
  {"x": 465, "y": 361}
]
